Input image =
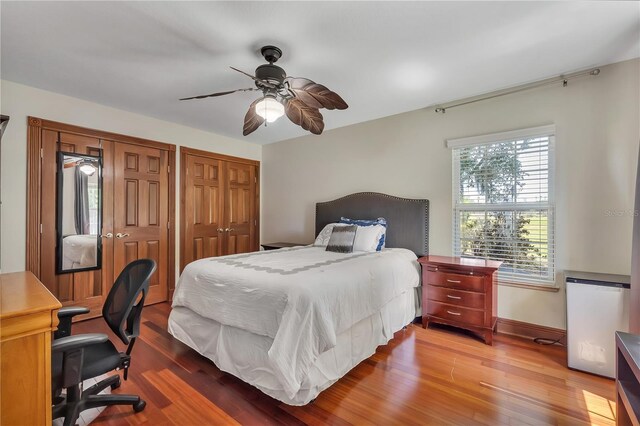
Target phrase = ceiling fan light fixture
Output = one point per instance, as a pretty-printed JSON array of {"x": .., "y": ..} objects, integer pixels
[
  {"x": 269, "y": 108},
  {"x": 300, "y": 98}
]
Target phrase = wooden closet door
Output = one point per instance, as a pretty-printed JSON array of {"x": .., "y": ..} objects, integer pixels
[
  {"x": 203, "y": 198},
  {"x": 240, "y": 208},
  {"x": 141, "y": 212},
  {"x": 80, "y": 288}
]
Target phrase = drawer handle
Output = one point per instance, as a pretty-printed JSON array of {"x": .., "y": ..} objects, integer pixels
[
  {"x": 454, "y": 313},
  {"x": 454, "y": 297},
  {"x": 454, "y": 281}
]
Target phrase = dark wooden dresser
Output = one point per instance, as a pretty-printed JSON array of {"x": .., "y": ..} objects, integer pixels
[{"x": 460, "y": 292}]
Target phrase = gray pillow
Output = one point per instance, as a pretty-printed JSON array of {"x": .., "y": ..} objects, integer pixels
[{"x": 342, "y": 238}]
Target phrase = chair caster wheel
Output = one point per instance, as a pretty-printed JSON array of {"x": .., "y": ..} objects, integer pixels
[
  {"x": 139, "y": 406},
  {"x": 116, "y": 385}
]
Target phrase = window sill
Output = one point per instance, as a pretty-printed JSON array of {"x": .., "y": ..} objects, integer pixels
[{"x": 539, "y": 287}]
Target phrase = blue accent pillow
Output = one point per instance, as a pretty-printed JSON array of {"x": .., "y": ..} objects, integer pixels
[{"x": 368, "y": 222}]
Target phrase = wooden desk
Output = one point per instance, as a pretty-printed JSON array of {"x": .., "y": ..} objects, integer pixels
[{"x": 28, "y": 315}]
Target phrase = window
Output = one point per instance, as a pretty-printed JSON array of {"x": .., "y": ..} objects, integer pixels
[
  {"x": 503, "y": 202},
  {"x": 94, "y": 206}
]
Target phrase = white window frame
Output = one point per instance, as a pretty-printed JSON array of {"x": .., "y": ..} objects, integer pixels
[{"x": 509, "y": 136}]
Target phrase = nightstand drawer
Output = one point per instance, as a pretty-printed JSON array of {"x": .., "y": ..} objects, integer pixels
[
  {"x": 455, "y": 313},
  {"x": 453, "y": 280},
  {"x": 456, "y": 297}
]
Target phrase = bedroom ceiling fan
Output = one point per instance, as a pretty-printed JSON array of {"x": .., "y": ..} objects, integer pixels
[{"x": 299, "y": 98}]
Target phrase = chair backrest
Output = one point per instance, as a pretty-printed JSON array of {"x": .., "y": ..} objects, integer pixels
[{"x": 120, "y": 310}]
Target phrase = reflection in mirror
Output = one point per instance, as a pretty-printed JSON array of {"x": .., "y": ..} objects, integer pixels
[{"x": 79, "y": 204}]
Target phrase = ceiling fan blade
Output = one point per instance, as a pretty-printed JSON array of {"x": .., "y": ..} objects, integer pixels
[
  {"x": 265, "y": 83},
  {"x": 304, "y": 116},
  {"x": 296, "y": 84},
  {"x": 252, "y": 120},
  {"x": 328, "y": 98},
  {"x": 218, "y": 94},
  {"x": 315, "y": 95}
]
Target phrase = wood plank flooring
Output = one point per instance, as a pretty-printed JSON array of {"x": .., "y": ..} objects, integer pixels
[{"x": 433, "y": 376}]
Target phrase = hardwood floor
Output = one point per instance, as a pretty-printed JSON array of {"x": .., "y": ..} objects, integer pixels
[{"x": 432, "y": 376}]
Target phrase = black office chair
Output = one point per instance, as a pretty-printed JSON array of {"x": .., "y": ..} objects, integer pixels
[{"x": 84, "y": 356}]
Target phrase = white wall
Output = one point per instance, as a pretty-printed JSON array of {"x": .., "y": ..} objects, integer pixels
[
  {"x": 19, "y": 101},
  {"x": 597, "y": 134}
]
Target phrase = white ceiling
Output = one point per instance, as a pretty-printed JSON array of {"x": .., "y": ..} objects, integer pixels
[{"x": 384, "y": 58}]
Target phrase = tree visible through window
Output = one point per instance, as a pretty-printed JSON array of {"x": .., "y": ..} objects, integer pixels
[{"x": 503, "y": 208}]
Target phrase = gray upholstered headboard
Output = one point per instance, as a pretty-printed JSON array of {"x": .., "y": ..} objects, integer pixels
[{"x": 407, "y": 219}]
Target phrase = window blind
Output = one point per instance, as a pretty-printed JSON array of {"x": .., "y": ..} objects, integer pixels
[{"x": 503, "y": 203}]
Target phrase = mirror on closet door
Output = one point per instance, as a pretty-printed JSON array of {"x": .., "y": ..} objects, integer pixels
[{"x": 79, "y": 213}]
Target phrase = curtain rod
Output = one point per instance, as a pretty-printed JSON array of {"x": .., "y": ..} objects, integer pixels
[{"x": 564, "y": 79}]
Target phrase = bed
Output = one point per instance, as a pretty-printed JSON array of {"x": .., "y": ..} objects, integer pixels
[{"x": 291, "y": 322}]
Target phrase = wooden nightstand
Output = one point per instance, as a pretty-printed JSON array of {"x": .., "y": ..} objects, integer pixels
[
  {"x": 460, "y": 292},
  {"x": 275, "y": 246}
]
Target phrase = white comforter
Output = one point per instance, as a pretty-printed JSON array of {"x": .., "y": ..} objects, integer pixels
[{"x": 302, "y": 297}]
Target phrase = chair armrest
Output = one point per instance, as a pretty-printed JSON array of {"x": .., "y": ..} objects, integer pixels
[
  {"x": 79, "y": 341},
  {"x": 65, "y": 315},
  {"x": 72, "y": 311}
]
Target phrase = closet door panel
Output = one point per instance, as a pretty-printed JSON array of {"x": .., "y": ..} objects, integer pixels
[
  {"x": 61, "y": 286},
  {"x": 80, "y": 288},
  {"x": 203, "y": 208},
  {"x": 144, "y": 212},
  {"x": 107, "y": 217},
  {"x": 240, "y": 207},
  {"x": 141, "y": 211}
]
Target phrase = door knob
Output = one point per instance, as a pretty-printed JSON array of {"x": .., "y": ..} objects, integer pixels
[
  {"x": 119, "y": 235},
  {"x": 108, "y": 235},
  {"x": 229, "y": 230},
  {"x": 220, "y": 230}
]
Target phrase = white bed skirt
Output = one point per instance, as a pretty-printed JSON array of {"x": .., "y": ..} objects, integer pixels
[{"x": 245, "y": 354}]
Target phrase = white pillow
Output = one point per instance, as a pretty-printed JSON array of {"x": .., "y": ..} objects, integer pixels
[
  {"x": 367, "y": 237},
  {"x": 323, "y": 237}
]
